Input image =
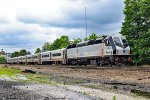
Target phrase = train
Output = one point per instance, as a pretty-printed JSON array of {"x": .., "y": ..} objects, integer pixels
[{"x": 111, "y": 50}]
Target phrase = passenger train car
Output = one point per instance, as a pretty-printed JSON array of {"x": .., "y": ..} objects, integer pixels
[
  {"x": 51, "y": 57},
  {"x": 111, "y": 50}
]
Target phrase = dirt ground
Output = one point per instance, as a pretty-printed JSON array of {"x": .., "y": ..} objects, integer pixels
[
  {"x": 11, "y": 89},
  {"x": 126, "y": 76},
  {"x": 88, "y": 83}
]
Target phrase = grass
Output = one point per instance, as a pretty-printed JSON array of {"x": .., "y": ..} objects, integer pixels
[
  {"x": 39, "y": 78},
  {"x": 98, "y": 86},
  {"x": 93, "y": 86},
  {"x": 114, "y": 98},
  {"x": 140, "y": 93},
  {"x": 9, "y": 71}
]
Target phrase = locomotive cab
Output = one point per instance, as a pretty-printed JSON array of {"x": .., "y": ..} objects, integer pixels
[
  {"x": 121, "y": 51},
  {"x": 117, "y": 49},
  {"x": 121, "y": 45}
]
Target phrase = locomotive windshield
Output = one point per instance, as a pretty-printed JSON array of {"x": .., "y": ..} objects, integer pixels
[
  {"x": 117, "y": 41},
  {"x": 125, "y": 43},
  {"x": 120, "y": 42}
]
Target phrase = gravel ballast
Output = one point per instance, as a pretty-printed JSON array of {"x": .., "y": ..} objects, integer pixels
[
  {"x": 9, "y": 92},
  {"x": 17, "y": 91}
]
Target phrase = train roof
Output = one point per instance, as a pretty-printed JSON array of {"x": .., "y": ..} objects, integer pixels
[
  {"x": 28, "y": 55},
  {"x": 53, "y": 51}
]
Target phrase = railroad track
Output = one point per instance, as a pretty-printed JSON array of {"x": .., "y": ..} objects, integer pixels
[{"x": 124, "y": 68}]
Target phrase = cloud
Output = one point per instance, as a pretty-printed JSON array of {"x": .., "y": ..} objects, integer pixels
[
  {"x": 29, "y": 23},
  {"x": 29, "y": 36}
]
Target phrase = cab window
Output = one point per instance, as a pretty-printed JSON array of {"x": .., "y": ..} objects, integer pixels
[
  {"x": 117, "y": 41},
  {"x": 125, "y": 43},
  {"x": 107, "y": 43}
]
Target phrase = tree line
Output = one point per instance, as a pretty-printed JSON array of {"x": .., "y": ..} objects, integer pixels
[
  {"x": 22, "y": 52},
  {"x": 59, "y": 43},
  {"x": 64, "y": 41}
]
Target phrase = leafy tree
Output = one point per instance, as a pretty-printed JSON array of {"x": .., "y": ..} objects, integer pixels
[
  {"x": 93, "y": 36},
  {"x": 59, "y": 43},
  {"x": 75, "y": 41},
  {"x": 136, "y": 28},
  {"x": 15, "y": 54},
  {"x": 22, "y": 52},
  {"x": 38, "y": 50},
  {"x": 28, "y": 53},
  {"x": 2, "y": 60},
  {"x": 46, "y": 46},
  {"x": 63, "y": 42}
]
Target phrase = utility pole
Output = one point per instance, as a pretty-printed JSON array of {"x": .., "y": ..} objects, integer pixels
[{"x": 86, "y": 20}]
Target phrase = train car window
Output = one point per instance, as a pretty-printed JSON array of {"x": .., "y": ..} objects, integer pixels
[
  {"x": 56, "y": 54},
  {"x": 98, "y": 41},
  {"x": 29, "y": 57},
  {"x": 91, "y": 42},
  {"x": 44, "y": 56}
]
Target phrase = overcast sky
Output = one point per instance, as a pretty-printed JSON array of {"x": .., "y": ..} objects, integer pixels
[{"x": 27, "y": 24}]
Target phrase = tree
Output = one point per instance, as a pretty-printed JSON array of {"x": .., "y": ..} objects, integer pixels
[
  {"x": 75, "y": 41},
  {"x": 28, "y": 53},
  {"x": 38, "y": 50},
  {"x": 46, "y": 46},
  {"x": 63, "y": 42},
  {"x": 15, "y": 54},
  {"x": 136, "y": 28},
  {"x": 93, "y": 36},
  {"x": 22, "y": 52},
  {"x": 2, "y": 60},
  {"x": 59, "y": 43}
]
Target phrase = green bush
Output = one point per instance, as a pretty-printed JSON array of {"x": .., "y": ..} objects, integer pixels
[{"x": 2, "y": 60}]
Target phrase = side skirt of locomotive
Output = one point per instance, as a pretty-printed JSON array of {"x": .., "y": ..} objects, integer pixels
[
  {"x": 108, "y": 60},
  {"x": 100, "y": 61}
]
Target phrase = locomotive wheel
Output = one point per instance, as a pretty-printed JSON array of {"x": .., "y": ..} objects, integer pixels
[
  {"x": 72, "y": 62},
  {"x": 109, "y": 65}
]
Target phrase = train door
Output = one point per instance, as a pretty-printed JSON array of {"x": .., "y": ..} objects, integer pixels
[
  {"x": 64, "y": 61},
  {"x": 50, "y": 56}
]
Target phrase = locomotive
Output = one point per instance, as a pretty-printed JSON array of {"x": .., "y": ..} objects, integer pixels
[{"x": 111, "y": 50}]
